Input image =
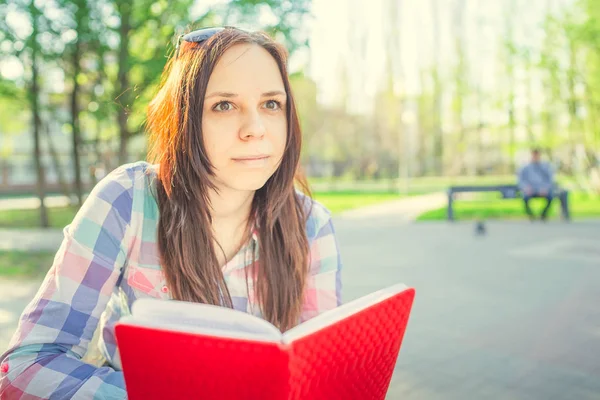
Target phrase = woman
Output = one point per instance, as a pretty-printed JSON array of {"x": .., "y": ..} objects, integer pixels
[{"x": 214, "y": 218}]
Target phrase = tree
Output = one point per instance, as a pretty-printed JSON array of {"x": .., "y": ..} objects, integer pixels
[
  {"x": 305, "y": 94},
  {"x": 287, "y": 16},
  {"x": 81, "y": 27},
  {"x": 13, "y": 119},
  {"x": 438, "y": 141},
  {"x": 34, "y": 94},
  {"x": 460, "y": 75},
  {"x": 551, "y": 80},
  {"x": 510, "y": 51},
  {"x": 30, "y": 53}
]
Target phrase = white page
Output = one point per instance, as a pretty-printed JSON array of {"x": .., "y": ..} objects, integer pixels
[
  {"x": 339, "y": 313},
  {"x": 196, "y": 317},
  {"x": 226, "y": 322}
]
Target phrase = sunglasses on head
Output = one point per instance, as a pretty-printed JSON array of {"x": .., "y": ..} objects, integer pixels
[{"x": 199, "y": 36}]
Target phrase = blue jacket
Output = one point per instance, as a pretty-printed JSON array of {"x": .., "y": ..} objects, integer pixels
[{"x": 539, "y": 176}]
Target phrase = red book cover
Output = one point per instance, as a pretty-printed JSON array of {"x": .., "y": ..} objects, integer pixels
[{"x": 179, "y": 350}]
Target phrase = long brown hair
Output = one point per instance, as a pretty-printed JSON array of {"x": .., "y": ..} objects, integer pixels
[{"x": 185, "y": 238}]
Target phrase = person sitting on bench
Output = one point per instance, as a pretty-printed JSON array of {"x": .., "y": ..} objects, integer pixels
[{"x": 536, "y": 179}]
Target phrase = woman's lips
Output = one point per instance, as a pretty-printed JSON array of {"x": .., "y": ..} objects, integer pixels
[{"x": 252, "y": 161}]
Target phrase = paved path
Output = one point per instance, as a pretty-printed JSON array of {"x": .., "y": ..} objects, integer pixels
[
  {"x": 32, "y": 203},
  {"x": 511, "y": 315},
  {"x": 405, "y": 209},
  {"x": 30, "y": 239},
  {"x": 15, "y": 296}
]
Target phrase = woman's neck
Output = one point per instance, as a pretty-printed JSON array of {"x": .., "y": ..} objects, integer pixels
[
  {"x": 230, "y": 206},
  {"x": 230, "y": 216}
]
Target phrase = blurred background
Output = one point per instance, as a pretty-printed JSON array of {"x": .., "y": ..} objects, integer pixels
[
  {"x": 399, "y": 101},
  {"x": 392, "y": 93}
]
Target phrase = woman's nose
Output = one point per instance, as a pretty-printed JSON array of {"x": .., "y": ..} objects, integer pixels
[{"x": 253, "y": 126}]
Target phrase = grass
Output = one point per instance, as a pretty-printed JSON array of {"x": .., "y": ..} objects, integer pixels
[
  {"x": 337, "y": 202},
  {"x": 419, "y": 185},
  {"x": 487, "y": 207},
  {"x": 59, "y": 217},
  {"x": 24, "y": 264}
]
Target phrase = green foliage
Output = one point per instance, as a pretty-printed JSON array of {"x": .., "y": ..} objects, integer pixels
[
  {"x": 448, "y": 129},
  {"x": 285, "y": 24},
  {"x": 13, "y": 103},
  {"x": 123, "y": 46}
]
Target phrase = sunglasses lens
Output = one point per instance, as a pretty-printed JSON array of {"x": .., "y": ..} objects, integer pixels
[{"x": 201, "y": 35}]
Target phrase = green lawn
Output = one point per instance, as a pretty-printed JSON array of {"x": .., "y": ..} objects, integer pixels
[
  {"x": 59, "y": 217},
  {"x": 21, "y": 264},
  {"x": 488, "y": 207},
  {"x": 419, "y": 185},
  {"x": 337, "y": 202}
]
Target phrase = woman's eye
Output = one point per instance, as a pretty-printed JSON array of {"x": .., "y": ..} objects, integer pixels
[
  {"x": 223, "y": 106},
  {"x": 272, "y": 105}
]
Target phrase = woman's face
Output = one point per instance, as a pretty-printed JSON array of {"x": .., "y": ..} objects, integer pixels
[{"x": 244, "y": 119}]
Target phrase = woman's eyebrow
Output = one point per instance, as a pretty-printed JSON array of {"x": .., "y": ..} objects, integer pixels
[
  {"x": 221, "y": 94},
  {"x": 231, "y": 95},
  {"x": 273, "y": 93}
]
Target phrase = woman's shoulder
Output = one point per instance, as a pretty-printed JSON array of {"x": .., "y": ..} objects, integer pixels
[
  {"x": 318, "y": 215},
  {"x": 129, "y": 175},
  {"x": 124, "y": 180}
]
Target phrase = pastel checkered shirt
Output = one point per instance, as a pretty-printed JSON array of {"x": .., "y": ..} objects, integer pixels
[{"x": 107, "y": 260}]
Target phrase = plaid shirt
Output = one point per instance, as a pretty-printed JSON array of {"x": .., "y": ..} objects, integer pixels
[{"x": 107, "y": 260}]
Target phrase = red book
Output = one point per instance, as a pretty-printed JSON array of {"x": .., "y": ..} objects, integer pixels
[{"x": 181, "y": 350}]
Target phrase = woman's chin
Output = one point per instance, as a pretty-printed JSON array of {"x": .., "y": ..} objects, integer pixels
[{"x": 247, "y": 184}]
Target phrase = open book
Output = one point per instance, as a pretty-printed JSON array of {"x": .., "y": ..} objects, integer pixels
[{"x": 181, "y": 350}]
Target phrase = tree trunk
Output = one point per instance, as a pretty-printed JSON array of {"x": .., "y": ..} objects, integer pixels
[
  {"x": 509, "y": 16},
  {"x": 574, "y": 129},
  {"x": 551, "y": 84},
  {"x": 124, "y": 8},
  {"x": 5, "y": 172},
  {"x": 75, "y": 121},
  {"x": 460, "y": 86},
  {"x": 36, "y": 120},
  {"x": 438, "y": 140},
  {"x": 99, "y": 119},
  {"x": 423, "y": 117},
  {"x": 479, "y": 158},
  {"x": 530, "y": 112}
]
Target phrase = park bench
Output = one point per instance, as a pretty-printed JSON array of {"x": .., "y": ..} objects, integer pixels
[{"x": 507, "y": 192}]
